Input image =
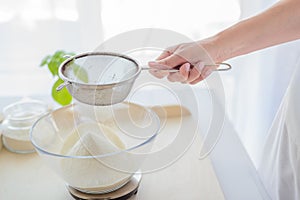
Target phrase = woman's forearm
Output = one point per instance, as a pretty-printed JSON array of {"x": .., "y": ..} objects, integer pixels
[{"x": 278, "y": 24}]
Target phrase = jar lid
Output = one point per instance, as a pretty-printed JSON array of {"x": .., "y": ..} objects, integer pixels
[{"x": 25, "y": 110}]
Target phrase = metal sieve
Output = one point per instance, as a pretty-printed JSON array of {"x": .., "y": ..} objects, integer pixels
[
  {"x": 99, "y": 78},
  {"x": 103, "y": 78}
]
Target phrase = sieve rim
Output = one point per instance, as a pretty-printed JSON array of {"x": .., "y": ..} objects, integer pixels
[{"x": 63, "y": 66}]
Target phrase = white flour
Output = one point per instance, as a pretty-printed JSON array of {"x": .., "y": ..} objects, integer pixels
[{"x": 91, "y": 139}]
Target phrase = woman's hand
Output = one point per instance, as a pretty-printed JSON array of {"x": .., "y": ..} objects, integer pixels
[{"x": 192, "y": 60}]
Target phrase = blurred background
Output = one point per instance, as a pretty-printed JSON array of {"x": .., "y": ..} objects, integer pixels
[{"x": 32, "y": 29}]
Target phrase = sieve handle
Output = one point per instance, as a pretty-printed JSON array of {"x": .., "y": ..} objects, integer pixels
[
  {"x": 220, "y": 67},
  {"x": 61, "y": 86},
  {"x": 165, "y": 70}
]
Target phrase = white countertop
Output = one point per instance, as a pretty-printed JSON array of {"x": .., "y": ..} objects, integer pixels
[
  {"x": 27, "y": 177},
  {"x": 227, "y": 174}
]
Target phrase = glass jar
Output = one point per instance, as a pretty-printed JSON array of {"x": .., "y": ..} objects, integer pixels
[{"x": 18, "y": 120}]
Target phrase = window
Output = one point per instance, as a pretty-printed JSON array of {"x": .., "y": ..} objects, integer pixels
[{"x": 31, "y": 29}]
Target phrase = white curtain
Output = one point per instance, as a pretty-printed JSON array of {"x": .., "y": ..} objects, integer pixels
[
  {"x": 194, "y": 18},
  {"x": 259, "y": 82},
  {"x": 32, "y": 29}
]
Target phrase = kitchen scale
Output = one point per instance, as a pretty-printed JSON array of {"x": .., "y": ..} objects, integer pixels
[{"x": 127, "y": 191}]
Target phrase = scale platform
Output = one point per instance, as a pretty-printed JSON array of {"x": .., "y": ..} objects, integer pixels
[{"x": 127, "y": 191}]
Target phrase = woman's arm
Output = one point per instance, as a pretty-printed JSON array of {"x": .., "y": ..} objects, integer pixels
[{"x": 278, "y": 24}]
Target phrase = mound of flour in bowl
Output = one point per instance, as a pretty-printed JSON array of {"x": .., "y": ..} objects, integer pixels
[{"x": 95, "y": 173}]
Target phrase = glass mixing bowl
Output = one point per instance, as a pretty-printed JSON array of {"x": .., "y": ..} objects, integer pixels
[{"x": 96, "y": 149}]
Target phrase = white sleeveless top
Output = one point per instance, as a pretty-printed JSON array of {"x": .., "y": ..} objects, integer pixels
[{"x": 280, "y": 166}]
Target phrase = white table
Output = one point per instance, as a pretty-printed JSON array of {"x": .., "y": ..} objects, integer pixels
[
  {"x": 227, "y": 174},
  {"x": 27, "y": 177}
]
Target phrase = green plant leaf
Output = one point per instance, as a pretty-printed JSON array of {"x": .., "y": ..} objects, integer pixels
[
  {"x": 53, "y": 67},
  {"x": 53, "y": 62},
  {"x": 62, "y": 97},
  {"x": 45, "y": 61}
]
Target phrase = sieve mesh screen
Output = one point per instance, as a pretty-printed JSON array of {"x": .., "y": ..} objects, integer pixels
[{"x": 100, "y": 69}]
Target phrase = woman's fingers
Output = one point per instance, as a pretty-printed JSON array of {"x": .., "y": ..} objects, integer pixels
[
  {"x": 164, "y": 55},
  {"x": 155, "y": 70},
  {"x": 167, "y": 52},
  {"x": 195, "y": 72},
  {"x": 197, "y": 80},
  {"x": 186, "y": 73},
  {"x": 182, "y": 75},
  {"x": 177, "y": 57},
  {"x": 170, "y": 61},
  {"x": 207, "y": 70}
]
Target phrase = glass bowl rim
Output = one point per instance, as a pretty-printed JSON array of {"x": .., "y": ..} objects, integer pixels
[{"x": 42, "y": 150}]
